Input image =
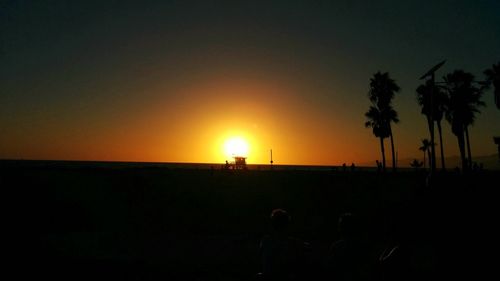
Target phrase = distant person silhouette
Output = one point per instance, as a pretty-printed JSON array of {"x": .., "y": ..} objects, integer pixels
[
  {"x": 353, "y": 167},
  {"x": 227, "y": 165},
  {"x": 282, "y": 256},
  {"x": 348, "y": 257}
]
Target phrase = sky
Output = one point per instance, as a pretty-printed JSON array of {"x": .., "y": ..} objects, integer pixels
[{"x": 172, "y": 81}]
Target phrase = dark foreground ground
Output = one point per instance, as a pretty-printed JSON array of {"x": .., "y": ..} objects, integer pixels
[{"x": 105, "y": 223}]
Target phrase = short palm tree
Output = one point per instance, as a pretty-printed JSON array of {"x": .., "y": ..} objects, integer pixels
[{"x": 416, "y": 164}]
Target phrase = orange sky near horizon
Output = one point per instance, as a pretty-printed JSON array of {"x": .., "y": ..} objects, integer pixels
[
  {"x": 192, "y": 128},
  {"x": 192, "y": 125}
]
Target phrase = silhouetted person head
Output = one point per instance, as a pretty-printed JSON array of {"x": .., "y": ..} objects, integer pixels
[
  {"x": 280, "y": 219},
  {"x": 282, "y": 255}
]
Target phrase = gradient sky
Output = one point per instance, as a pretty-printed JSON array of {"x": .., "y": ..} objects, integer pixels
[{"x": 170, "y": 81}]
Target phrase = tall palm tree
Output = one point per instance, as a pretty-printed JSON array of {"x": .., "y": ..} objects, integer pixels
[
  {"x": 439, "y": 103},
  {"x": 474, "y": 103},
  {"x": 426, "y": 148},
  {"x": 464, "y": 103},
  {"x": 382, "y": 91},
  {"x": 377, "y": 122},
  {"x": 493, "y": 77}
]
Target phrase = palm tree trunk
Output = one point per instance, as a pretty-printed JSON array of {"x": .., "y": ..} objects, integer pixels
[
  {"x": 429, "y": 157},
  {"x": 469, "y": 156},
  {"x": 392, "y": 150},
  {"x": 432, "y": 153},
  {"x": 383, "y": 153},
  {"x": 443, "y": 166},
  {"x": 429, "y": 125},
  {"x": 496, "y": 85},
  {"x": 432, "y": 148},
  {"x": 461, "y": 146}
]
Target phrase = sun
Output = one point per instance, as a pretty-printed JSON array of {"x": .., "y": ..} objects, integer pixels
[{"x": 236, "y": 146}]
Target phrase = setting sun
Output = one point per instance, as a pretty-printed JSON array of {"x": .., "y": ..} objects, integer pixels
[{"x": 236, "y": 146}]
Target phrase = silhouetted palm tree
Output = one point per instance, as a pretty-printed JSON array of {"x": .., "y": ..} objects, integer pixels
[
  {"x": 381, "y": 94},
  {"x": 439, "y": 103},
  {"x": 377, "y": 122},
  {"x": 426, "y": 148},
  {"x": 416, "y": 164},
  {"x": 464, "y": 103},
  {"x": 493, "y": 77}
]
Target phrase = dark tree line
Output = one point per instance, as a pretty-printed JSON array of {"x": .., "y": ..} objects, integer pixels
[{"x": 458, "y": 100}]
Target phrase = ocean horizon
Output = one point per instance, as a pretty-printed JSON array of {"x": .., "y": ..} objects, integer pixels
[
  {"x": 171, "y": 165},
  {"x": 490, "y": 164}
]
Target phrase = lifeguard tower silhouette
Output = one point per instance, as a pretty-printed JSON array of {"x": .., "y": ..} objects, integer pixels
[{"x": 240, "y": 163}]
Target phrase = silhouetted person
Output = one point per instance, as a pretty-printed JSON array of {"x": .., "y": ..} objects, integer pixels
[
  {"x": 227, "y": 165},
  {"x": 353, "y": 167},
  {"x": 282, "y": 255},
  {"x": 348, "y": 256}
]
